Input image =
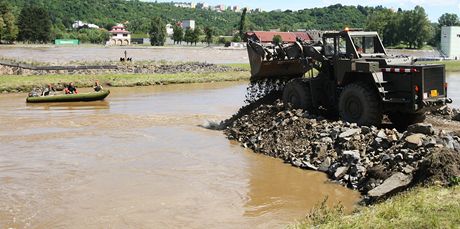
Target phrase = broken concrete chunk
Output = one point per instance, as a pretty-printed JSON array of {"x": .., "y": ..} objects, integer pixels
[
  {"x": 421, "y": 128},
  {"x": 393, "y": 183}
]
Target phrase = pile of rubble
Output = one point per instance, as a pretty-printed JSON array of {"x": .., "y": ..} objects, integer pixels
[
  {"x": 153, "y": 68},
  {"x": 448, "y": 113},
  {"x": 375, "y": 161}
]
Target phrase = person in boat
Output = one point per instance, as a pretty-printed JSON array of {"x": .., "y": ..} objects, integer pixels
[
  {"x": 97, "y": 86},
  {"x": 49, "y": 90},
  {"x": 71, "y": 89}
]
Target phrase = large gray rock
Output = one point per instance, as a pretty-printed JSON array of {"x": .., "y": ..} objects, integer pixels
[
  {"x": 349, "y": 133},
  {"x": 340, "y": 172},
  {"x": 421, "y": 128},
  {"x": 392, "y": 184}
]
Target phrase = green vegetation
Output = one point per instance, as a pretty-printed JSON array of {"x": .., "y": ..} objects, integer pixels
[
  {"x": 451, "y": 66},
  {"x": 178, "y": 34},
  {"x": 27, "y": 83},
  {"x": 209, "y": 33},
  {"x": 410, "y": 28},
  {"x": 157, "y": 32},
  {"x": 34, "y": 24},
  {"x": 432, "y": 207},
  {"x": 277, "y": 39},
  {"x": 8, "y": 28}
]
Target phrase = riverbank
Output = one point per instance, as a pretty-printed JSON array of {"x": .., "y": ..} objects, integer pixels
[
  {"x": 422, "y": 207},
  {"x": 14, "y": 84}
]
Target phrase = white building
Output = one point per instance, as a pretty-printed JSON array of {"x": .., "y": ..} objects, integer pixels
[
  {"x": 450, "y": 41},
  {"x": 169, "y": 29},
  {"x": 80, "y": 24},
  {"x": 188, "y": 23},
  {"x": 120, "y": 36}
]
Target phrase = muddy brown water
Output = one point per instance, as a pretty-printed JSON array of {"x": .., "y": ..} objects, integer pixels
[{"x": 140, "y": 160}]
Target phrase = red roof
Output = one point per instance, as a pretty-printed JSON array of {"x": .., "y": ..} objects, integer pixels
[
  {"x": 304, "y": 36},
  {"x": 289, "y": 37}
]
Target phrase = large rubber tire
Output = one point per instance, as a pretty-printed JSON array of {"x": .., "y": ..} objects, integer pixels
[
  {"x": 359, "y": 103},
  {"x": 403, "y": 120},
  {"x": 298, "y": 95}
]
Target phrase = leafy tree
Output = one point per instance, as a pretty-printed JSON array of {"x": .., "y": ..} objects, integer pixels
[
  {"x": 277, "y": 39},
  {"x": 196, "y": 35},
  {"x": 178, "y": 34},
  {"x": 188, "y": 37},
  {"x": 242, "y": 26},
  {"x": 378, "y": 21},
  {"x": 236, "y": 38},
  {"x": 157, "y": 32},
  {"x": 8, "y": 27},
  {"x": 34, "y": 24},
  {"x": 138, "y": 25},
  {"x": 448, "y": 20},
  {"x": 208, "y": 34},
  {"x": 416, "y": 27}
]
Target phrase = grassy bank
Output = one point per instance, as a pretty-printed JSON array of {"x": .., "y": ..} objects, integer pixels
[
  {"x": 27, "y": 83},
  {"x": 433, "y": 207},
  {"x": 451, "y": 66}
]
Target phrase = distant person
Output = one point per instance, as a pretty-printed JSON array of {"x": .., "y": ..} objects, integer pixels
[
  {"x": 48, "y": 90},
  {"x": 71, "y": 89},
  {"x": 97, "y": 87}
]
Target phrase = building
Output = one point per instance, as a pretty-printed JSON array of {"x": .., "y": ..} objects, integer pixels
[
  {"x": 450, "y": 41},
  {"x": 120, "y": 36},
  {"x": 188, "y": 23},
  {"x": 219, "y": 8},
  {"x": 236, "y": 8},
  {"x": 202, "y": 5},
  {"x": 82, "y": 25},
  {"x": 169, "y": 29}
]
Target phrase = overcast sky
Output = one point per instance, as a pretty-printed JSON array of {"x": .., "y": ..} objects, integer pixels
[{"x": 434, "y": 8}]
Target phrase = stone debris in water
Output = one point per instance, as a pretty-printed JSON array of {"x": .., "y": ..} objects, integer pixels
[{"x": 362, "y": 158}]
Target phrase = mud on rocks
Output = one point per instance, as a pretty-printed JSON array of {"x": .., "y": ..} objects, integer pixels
[{"x": 377, "y": 162}]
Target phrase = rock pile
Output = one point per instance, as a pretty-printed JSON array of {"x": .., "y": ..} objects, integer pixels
[
  {"x": 118, "y": 69},
  {"x": 371, "y": 160},
  {"x": 447, "y": 112}
]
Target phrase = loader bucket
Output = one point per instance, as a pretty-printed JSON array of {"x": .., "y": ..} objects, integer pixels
[{"x": 274, "y": 69}]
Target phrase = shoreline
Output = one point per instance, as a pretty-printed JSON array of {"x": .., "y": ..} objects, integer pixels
[{"x": 20, "y": 84}]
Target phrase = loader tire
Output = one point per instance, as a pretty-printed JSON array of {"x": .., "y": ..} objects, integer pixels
[
  {"x": 359, "y": 103},
  {"x": 297, "y": 94},
  {"x": 403, "y": 120}
]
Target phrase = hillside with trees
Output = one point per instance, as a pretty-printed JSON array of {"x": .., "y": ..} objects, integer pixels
[{"x": 409, "y": 28}]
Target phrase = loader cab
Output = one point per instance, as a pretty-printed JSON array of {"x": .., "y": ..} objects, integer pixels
[{"x": 352, "y": 45}]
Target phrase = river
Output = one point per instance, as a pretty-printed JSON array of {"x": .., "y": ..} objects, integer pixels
[{"x": 140, "y": 160}]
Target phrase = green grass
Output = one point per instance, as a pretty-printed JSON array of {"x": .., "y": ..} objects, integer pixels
[
  {"x": 246, "y": 67},
  {"x": 27, "y": 83},
  {"x": 432, "y": 207},
  {"x": 451, "y": 66}
]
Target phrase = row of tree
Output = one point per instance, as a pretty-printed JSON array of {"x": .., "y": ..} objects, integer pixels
[{"x": 42, "y": 21}]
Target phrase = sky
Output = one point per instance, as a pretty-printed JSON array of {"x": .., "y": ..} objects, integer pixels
[{"x": 434, "y": 8}]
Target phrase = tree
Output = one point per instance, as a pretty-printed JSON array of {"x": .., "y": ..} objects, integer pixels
[
  {"x": 34, "y": 24},
  {"x": 277, "y": 39},
  {"x": 196, "y": 35},
  {"x": 208, "y": 34},
  {"x": 416, "y": 27},
  {"x": 448, "y": 20},
  {"x": 188, "y": 37},
  {"x": 242, "y": 25},
  {"x": 157, "y": 32},
  {"x": 8, "y": 27},
  {"x": 178, "y": 34}
]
